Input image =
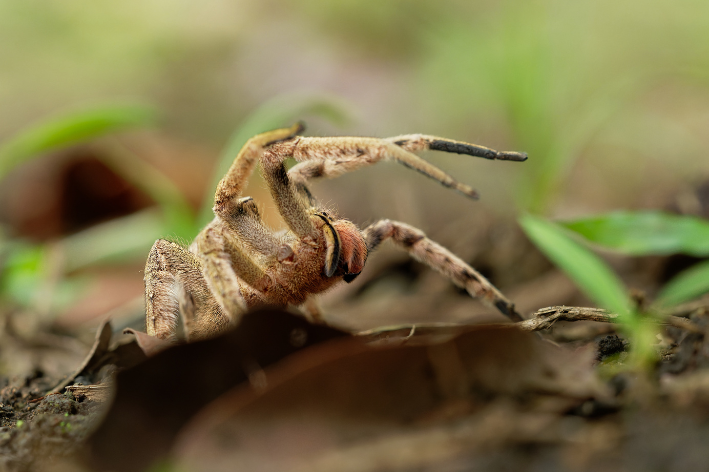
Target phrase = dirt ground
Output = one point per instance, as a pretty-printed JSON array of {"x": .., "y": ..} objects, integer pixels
[{"x": 281, "y": 394}]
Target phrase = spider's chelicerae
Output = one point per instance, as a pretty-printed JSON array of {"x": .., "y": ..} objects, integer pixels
[{"x": 236, "y": 263}]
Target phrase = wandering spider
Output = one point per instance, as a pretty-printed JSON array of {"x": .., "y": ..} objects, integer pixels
[{"x": 236, "y": 263}]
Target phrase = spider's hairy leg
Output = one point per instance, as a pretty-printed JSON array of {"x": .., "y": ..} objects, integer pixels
[
  {"x": 299, "y": 175},
  {"x": 332, "y": 157},
  {"x": 234, "y": 182},
  {"x": 225, "y": 266},
  {"x": 173, "y": 282},
  {"x": 245, "y": 222},
  {"x": 422, "y": 142},
  {"x": 441, "y": 260},
  {"x": 293, "y": 207}
]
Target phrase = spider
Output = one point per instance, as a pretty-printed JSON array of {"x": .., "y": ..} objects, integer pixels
[{"x": 236, "y": 263}]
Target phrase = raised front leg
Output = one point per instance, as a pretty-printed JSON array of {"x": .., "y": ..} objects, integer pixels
[
  {"x": 231, "y": 187},
  {"x": 293, "y": 203},
  {"x": 331, "y": 157},
  {"x": 422, "y": 142},
  {"x": 441, "y": 260}
]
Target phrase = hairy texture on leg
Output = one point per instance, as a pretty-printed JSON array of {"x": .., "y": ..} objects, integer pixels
[
  {"x": 336, "y": 156},
  {"x": 188, "y": 311},
  {"x": 171, "y": 273},
  {"x": 441, "y": 260},
  {"x": 301, "y": 173},
  {"x": 291, "y": 206},
  {"x": 234, "y": 182},
  {"x": 245, "y": 223},
  {"x": 421, "y": 142},
  {"x": 237, "y": 263},
  {"x": 223, "y": 265}
]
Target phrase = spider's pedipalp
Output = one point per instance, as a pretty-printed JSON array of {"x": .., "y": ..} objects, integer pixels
[
  {"x": 440, "y": 259},
  {"x": 333, "y": 246},
  {"x": 354, "y": 249}
]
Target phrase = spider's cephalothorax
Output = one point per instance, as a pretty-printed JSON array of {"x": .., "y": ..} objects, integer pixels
[{"x": 236, "y": 263}]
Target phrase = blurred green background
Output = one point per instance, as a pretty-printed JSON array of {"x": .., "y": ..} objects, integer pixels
[{"x": 610, "y": 100}]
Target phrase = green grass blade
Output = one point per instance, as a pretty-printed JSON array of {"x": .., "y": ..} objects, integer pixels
[
  {"x": 22, "y": 267},
  {"x": 123, "y": 239},
  {"x": 586, "y": 269},
  {"x": 647, "y": 232},
  {"x": 71, "y": 128},
  {"x": 686, "y": 286},
  {"x": 179, "y": 215},
  {"x": 277, "y": 113}
]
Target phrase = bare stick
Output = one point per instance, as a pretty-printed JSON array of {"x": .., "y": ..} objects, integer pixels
[
  {"x": 546, "y": 317},
  {"x": 542, "y": 319}
]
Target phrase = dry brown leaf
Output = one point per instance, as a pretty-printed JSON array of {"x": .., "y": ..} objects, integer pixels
[
  {"x": 320, "y": 408},
  {"x": 155, "y": 399},
  {"x": 150, "y": 345},
  {"x": 97, "y": 351}
]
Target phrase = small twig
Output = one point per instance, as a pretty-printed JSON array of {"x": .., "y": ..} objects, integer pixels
[
  {"x": 546, "y": 317},
  {"x": 542, "y": 319},
  {"x": 97, "y": 393}
]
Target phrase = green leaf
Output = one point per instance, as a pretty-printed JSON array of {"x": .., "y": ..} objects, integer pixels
[
  {"x": 22, "y": 268},
  {"x": 648, "y": 232},
  {"x": 277, "y": 113},
  {"x": 127, "y": 238},
  {"x": 686, "y": 286},
  {"x": 179, "y": 217},
  {"x": 586, "y": 269},
  {"x": 70, "y": 128}
]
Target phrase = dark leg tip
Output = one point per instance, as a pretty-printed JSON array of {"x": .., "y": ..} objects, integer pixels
[
  {"x": 508, "y": 309},
  {"x": 511, "y": 156},
  {"x": 293, "y": 131},
  {"x": 470, "y": 193},
  {"x": 299, "y": 127}
]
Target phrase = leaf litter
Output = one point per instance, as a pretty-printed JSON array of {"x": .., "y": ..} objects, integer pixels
[{"x": 281, "y": 394}]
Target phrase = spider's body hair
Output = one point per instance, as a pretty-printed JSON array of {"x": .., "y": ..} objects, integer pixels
[
  {"x": 178, "y": 271},
  {"x": 236, "y": 263},
  {"x": 291, "y": 272}
]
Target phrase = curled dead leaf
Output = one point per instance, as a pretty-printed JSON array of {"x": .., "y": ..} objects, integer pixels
[{"x": 324, "y": 406}]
